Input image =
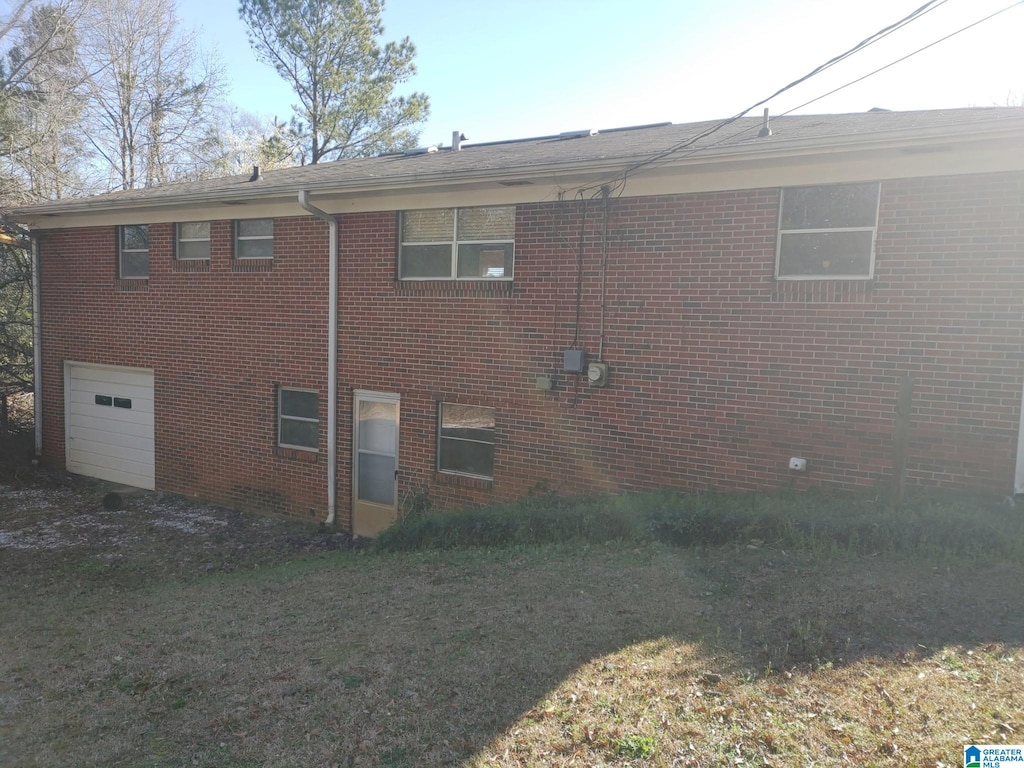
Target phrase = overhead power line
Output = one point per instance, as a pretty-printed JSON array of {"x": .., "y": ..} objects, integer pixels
[
  {"x": 904, "y": 58},
  {"x": 620, "y": 180},
  {"x": 885, "y": 31}
]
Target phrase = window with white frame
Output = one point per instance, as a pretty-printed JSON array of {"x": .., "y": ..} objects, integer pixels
[
  {"x": 298, "y": 418},
  {"x": 254, "y": 239},
  {"x": 133, "y": 251},
  {"x": 827, "y": 232},
  {"x": 465, "y": 437},
  {"x": 457, "y": 244},
  {"x": 193, "y": 241}
]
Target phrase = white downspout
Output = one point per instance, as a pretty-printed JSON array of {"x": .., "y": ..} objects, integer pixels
[
  {"x": 1018, "y": 476},
  {"x": 332, "y": 356},
  {"x": 37, "y": 352}
]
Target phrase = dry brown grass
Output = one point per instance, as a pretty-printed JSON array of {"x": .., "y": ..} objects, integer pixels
[
  {"x": 851, "y": 662},
  {"x": 618, "y": 655}
]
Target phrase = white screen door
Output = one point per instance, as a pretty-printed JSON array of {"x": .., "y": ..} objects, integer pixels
[{"x": 374, "y": 462}]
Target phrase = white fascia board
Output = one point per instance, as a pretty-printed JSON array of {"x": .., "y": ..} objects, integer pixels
[
  {"x": 332, "y": 199},
  {"x": 832, "y": 168},
  {"x": 767, "y": 162}
]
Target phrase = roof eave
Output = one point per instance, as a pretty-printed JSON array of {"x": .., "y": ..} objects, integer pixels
[{"x": 564, "y": 174}]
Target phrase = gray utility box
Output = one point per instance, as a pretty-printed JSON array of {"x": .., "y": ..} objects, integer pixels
[{"x": 574, "y": 361}]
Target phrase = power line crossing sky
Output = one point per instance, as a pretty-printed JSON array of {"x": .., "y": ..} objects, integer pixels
[{"x": 516, "y": 68}]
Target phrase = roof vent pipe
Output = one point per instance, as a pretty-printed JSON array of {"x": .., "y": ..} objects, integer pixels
[
  {"x": 457, "y": 138},
  {"x": 766, "y": 129},
  {"x": 578, "y": 134},
  {"x": 256, "y": 175}
]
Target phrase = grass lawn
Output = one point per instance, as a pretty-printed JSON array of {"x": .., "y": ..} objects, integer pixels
[{"x": 566, "y": 654}]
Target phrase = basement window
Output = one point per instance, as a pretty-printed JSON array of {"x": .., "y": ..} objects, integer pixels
[
  {"x": 465, "y": 440},
  {"x": 457, "y": 244},
  {"x": 254, "y": 239},
  {"x": 193, "y": 241},
  {"x": 133, "y": 252},
  {"x": 298, "y": 420},
  {"x": 827, "y": 233}
]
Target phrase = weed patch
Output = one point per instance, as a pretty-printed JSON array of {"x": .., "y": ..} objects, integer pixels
[
  {"x": 635, "y": 747},
  {"x": 926, "y": 525},
  {"x": 534, "y": 520}
]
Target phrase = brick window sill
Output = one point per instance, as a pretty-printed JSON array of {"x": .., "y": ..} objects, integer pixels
[
  {"x": 823, "y": 291},
  {"x": 463, "y": 481},
  {"x": 252, "y": 265},
  {"x": 131, "y": 285},
  {"x": 192, "y": 265},
  {"x": 487, "y": 289},
  {"x": 307, "y": 457}
]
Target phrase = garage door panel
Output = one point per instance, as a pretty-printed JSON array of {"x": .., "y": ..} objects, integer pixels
[
  {"x": 111, "y": 426},
  {"x": 110, "y": 413},
  {"x": 132, "y": 442},
  {"x": 137, "y": 452},
  {"x": 134, "y": 467},
  {"x": 103, "y": 472},
  {"x": 101, "y": 379},
  {"x": 138, "y": 402},
  {"x": 106, "y": 442},
  {"x": 121, "y": 390}
]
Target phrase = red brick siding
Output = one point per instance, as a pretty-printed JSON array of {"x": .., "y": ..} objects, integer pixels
[
  {"x": 719, "y": 373},
  {"x": 219, "y": 341}
]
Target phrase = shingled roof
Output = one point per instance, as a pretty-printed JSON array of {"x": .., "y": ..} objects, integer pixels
[{"x": 606, "y": 150}]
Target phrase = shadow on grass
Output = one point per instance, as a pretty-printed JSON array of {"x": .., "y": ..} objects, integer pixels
[
  {"x": 782, "y": 611},
  {"x": 424, "y": 659}
]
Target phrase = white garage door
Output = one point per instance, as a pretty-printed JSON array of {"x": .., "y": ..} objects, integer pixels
[{"x": 110, "y": 423}]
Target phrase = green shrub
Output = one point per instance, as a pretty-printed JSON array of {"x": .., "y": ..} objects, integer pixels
[
  {"x": 927, "y": 523},
  {"x": 534, "y": 520}
]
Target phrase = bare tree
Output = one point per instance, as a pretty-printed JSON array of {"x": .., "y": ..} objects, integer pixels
[
  {"x": 247, "y": 140},
  {"x": 39, "y": 156},
  {"x": 118, "y": 72},
  {"x": 40, "y": 102},
  {"x": 152, "y": 93}
]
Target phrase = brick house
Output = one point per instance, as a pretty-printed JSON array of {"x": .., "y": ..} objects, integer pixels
[{"x": 627, "y": 309}]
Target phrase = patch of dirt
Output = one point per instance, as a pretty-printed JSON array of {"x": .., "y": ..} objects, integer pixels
[{"x": 56, "y": 519}]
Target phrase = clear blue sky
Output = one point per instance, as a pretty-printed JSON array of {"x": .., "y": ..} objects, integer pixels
[{"x": 517, "y": 68}]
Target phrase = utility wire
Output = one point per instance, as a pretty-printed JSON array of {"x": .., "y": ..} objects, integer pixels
[
  {"x": 739, "y": 133},
  {"x": 614, "y": 187},
  {"x": 619, "y": 182},
  {"x": 904, "y": 58},
  {"x": 884, "y": 32}
]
